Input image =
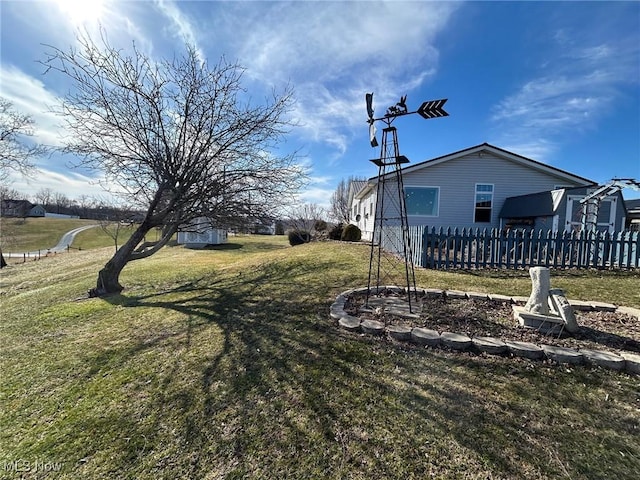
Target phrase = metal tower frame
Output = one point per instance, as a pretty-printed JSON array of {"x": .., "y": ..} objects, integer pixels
[{"x": 391, "y": 214}]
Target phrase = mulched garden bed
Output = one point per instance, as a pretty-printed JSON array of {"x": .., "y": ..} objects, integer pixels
[{"x": 599, "y": 330}]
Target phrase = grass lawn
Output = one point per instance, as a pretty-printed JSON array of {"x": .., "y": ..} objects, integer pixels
[
  {"x": 224, "y": 363},
  {"x": 31, "y": 234}
]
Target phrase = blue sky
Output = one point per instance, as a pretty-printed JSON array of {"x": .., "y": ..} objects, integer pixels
[{"x": 558, "y": 82}]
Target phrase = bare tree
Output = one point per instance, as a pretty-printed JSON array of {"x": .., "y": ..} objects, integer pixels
[
  {"x": 340, "y": 208},
  {"x": 44, "y": 196},
  {"x": 306, "y": 217},
  {"x": 177, "y": 137},
  {"x": 60, "y": 201},
  {"x": 84, "y": 203},
  {"x": 16, "y": 150},
  {"x": 10, "y": 193}
]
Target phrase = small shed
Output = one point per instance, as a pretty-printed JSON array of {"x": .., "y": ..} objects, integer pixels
[
  {"x": 633, "y": 214},
  {"x": 562, "y": 210},
  {"x": 200, "y": 232}
]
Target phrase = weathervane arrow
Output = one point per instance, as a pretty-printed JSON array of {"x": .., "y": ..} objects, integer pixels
[
  {"x": 428, "y": 109},
  {"x": 432, "y": 109}
]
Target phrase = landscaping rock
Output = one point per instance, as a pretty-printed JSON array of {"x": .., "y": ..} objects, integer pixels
[
  {"x": 477, "y": 296},
  {"x": 525, "y": 349},
  {"x": 455, "y": 294},
  {"x": 519, "y": 299},
  {"x": 580, "y": 305},
  {"x": 562, "y": 355},
  {"x": 603, "y": 307},
  {"x": 372, "y": 327},
  {"x": 634, "y": 312},
  {"x": 433, "y": 292},
  {"x": 490, "y": 345},
  {"x": 425, "y": 336},
  {"x": 603, "y": 359},
  {"x": 455, "y": 340},
  {"x": 500, "y": 298},
  {"x": 399, "y": 332},
  {"x": 336, "y": 311},
  {"x": 632, "y": 362},
  {"x": 349, "y": 323}
]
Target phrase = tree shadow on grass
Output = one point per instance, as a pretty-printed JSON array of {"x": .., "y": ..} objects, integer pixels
[
  {"x": 225, "y": 246},
  {"x": 288, "y": 395}
]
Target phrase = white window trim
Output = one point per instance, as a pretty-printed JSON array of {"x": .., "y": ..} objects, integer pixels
[
  {"x": 424, "y": 186},
  {"x": 475, "y": 192}
]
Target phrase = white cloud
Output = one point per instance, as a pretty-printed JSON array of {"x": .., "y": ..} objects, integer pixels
[
  {"x": 326, "y": 41},
  {"x": 585, "y": 83},
  {"x": 30, "y": 96},
  {"x": 336, "y": 52},
  {"x": 72, "y": 184},
  {"x": 180, "y": 25},
  {"x": 316, "y": 195}
]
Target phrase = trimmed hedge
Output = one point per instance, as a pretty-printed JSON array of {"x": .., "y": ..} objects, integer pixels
[
  {"x": 351, "y": 233},
  {"x": 298, "y": 237},
  {"x": 336, "y": 232}
]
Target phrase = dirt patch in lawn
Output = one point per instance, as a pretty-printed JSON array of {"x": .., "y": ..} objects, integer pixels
[{"x": 599, "y": 330}]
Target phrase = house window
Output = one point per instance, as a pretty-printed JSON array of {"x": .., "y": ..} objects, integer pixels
[
  {"x": 484, "y": 202},
  {"x": 422, "y": 200}
]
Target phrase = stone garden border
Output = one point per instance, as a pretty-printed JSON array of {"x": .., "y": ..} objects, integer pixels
[{"x": 627, "y": 361}]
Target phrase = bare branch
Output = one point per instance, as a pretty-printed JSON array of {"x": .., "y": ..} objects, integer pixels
[{"x": 17, "y": 151}]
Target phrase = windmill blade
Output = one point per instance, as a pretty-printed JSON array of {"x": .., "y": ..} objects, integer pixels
[
  {"x": 372, "y": 135},
  {"x": 369, "y": 98}
]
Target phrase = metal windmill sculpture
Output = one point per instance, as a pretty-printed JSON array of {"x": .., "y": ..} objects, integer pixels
[{"x": 391, "y": 258}]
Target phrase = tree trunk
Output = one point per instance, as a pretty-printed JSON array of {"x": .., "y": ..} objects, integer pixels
[{"x": 108, "y": 278}]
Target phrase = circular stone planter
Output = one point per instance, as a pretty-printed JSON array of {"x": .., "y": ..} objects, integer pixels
[
  {"x": 424, "y": 336},
  {"x": 455, "y": 340}
]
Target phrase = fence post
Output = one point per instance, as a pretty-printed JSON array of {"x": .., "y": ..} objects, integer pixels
[
  {"x": 548, "y": 248},
  {"x": 432, "y": 246},
  {"x": 596, "y": 249},
  {"x": 465, "y": 256},
  {"x": 606, "y": 250},
  {"x": 562, "y": 237},
  {"x": 479, "y": 243},
  {"x": 628, "y": 249},
  {"x": 486, "y": 247}
]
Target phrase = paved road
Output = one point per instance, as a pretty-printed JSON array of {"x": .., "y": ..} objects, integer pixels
[{"x": 65, "y": 241}]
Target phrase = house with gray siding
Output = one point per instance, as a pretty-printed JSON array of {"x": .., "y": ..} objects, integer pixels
[{"x": 470, "y": 189}]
